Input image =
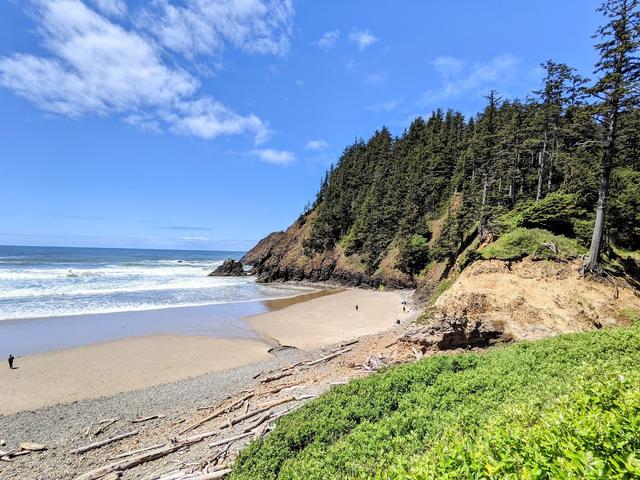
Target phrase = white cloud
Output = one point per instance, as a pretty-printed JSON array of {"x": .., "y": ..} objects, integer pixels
[
  {"x": 205, "y": 118},
  {"x": 197, "y": 239},
  {"x": 204, "y": 26},
  {"x": 458, "y": 78},
  {"x": 275, "y": 157},
  {"x": 384, "y": 106},
  {"x": 362, "y": 38},
  {"x": 328, "y": 40},
  {"x": 316, "y": 145},
  {"x": 374, "y": 79},
  {"x": 96, "y": 66},
  {"x": 111, "y": 7}
]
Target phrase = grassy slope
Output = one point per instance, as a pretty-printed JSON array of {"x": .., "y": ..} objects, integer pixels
[{"x": 549, "y": 409}]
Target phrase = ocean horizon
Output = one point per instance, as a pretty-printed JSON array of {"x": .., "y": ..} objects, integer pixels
[{"x": 41, "y": 281}]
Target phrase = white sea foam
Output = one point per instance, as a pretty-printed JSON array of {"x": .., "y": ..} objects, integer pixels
[{"x": 47, "y": 285}]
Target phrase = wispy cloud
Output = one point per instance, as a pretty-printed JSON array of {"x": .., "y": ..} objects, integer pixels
[
  {"x": 316, "y": 145},
  {"x": 328, "y": 40},
  {"x": 362, "y": 38},
  {"x": 275, "y": 157},
  {"x": 206, "y": 26},
  {"x": 185, "y": 228},
  {"x": 94, "y": 65},
  {"x": 383, "y": 106},
  {"x": 111, "y": 7},
  {"x": 375, "y": 79},
  {"x": 459, "y": 78}
]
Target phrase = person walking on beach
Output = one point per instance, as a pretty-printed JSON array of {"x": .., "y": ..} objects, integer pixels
[{"x": 11, "y": 358}]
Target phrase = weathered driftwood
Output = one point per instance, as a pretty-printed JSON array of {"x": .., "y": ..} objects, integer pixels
[
  {"x": 212, "y": 475},
  {"x": 104, "y": 424},
  {"x": 261, "y": 419},
  {"x": 279, "y": 388},
  {"x": 291, "y": 367},
  {"x": 146, "y": 419},
  {"x": 135, "y": 452},
  {"x": 239, "y": 419},
  {"x": 346, "y": 344},
  {"x": 275, "y": 377},
  {"x": 391, "y": 344},
  {"x": 328, "y": 357},
  {"x": 226, "y": 441},
  {"x": 104, "y": 442},
  {"x": 127, "y": 464},
  {"x": 217, "y": 413},
  {"x": 275, "y": 403},
  {"x": 32, "y": 446},
  {"x": 240, "y": 402}
]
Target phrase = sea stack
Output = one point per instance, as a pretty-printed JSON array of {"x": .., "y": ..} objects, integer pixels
[{"x": 229, "y": 268}]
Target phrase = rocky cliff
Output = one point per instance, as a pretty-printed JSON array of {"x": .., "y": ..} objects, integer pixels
[{"x": 281, "y": 257}]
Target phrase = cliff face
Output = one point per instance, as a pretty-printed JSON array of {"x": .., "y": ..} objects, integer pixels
[{"x": 280, "y": 257}]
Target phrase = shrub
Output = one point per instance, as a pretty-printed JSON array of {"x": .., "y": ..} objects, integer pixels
[
  {"x": 531, "y": 408},
  {"x": 536, "y": 243},
  {"x": 556, "y": 212}
]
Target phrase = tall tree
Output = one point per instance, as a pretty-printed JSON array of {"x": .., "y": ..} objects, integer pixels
[{"x": 617, "y": 91}]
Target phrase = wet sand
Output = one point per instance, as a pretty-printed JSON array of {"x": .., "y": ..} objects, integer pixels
[
  {"x": 108, "y": 368},
  {"x": 330, "y": 319}
]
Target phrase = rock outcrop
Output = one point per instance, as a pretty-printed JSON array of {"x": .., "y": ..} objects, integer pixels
[
  {"x": 496, "y": 301},
  {"x": 281, "y": 257},
  {"x": 447, "y": 333},
  {"x": 229, "y": 268}
]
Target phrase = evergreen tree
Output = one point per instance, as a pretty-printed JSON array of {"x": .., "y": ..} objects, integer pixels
[{"x": 617, "y": 91}]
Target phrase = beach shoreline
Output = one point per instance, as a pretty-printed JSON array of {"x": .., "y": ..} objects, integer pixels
[
  {"x": 174, "y": 402},
  {"x": 311, "y": 321}
]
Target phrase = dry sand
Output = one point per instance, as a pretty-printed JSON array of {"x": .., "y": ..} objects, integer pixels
[
  {"x": 107, "y": 368},
  {"x": 331, "y": 319},
  {"x": 113, "y": 367}
]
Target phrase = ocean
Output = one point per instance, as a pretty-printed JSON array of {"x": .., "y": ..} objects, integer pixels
[
  {"x": 59, "y": 297},
  {"x": 61, "y": 281}
]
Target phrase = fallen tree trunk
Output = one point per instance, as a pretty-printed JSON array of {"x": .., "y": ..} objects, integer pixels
[
  {"x": 239, "y": 419},
  {"x": 328, "y": 357},
  {"x": 135, "y": 452},
  {"x": 146, "y": 419},
  {"x": 277, "y": 376},
  {"x": 104, "y": 442}
]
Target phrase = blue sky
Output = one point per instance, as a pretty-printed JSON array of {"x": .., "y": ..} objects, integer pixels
[{"x": 206, "y": 124}]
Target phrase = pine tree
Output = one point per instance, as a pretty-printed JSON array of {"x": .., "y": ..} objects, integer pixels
[{"x": 617, "y": 91}]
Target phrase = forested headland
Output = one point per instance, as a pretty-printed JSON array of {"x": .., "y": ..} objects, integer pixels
[{"x": 564, "y": 160}]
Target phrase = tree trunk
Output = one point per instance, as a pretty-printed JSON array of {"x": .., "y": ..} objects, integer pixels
[
  {"x": 592, "y": 264},
  {"x": 512, "y": 181},
  {"x": 541, "y": 168},
  {"x": 485, "y": 187}
]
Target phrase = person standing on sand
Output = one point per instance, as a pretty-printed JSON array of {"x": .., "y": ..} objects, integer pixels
[
  {"x": 356, "y": 308},
  {"x": 11, "y": 358}
]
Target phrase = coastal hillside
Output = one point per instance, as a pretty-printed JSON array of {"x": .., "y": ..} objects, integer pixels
[
  {"x": 399, "y": 211},
  {"x": 566, "y": 407}
]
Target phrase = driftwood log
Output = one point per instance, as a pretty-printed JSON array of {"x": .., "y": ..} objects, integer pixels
[{"x": 104, "y": 442}]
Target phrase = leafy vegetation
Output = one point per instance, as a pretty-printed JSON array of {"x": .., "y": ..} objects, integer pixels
[
  {"x": 536, "y": 243},
  {"x": 530, "y": 410}
]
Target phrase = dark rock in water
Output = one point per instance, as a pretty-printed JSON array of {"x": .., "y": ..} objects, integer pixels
[
  {"x": 229, "y": 268},
  {"x": 457, "y": 332}
]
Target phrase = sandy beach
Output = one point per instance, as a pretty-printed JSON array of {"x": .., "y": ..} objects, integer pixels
[
  {"x": 58, "y": 398},
  {"x": 108, "y": 368},
  {"x": 331, "y": 319}
]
